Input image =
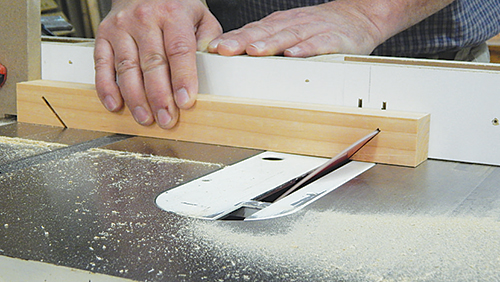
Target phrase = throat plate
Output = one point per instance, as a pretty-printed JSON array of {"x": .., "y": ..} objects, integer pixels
[{"x": 231, "y": 192}]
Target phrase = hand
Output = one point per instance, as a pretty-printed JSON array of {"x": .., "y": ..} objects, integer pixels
[
  {"x": 145, "y": 56},
  {"x": 302, "y": 32},
  {"x": 340, "y": 26}
]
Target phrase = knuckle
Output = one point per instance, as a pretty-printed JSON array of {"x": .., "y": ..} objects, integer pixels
[
  {"x": 166, "y": 10},
  {"x": 296, "y": 32},
  {"x": 324, "y": 43},
  {"x": 263, "y": 27},
  {"x": 101, "y": 63},
  {"x": 126, "y": 65},
  {"x": 328, "y": 38},
  {"x": 120, "y": 20},
  {"x": 152, "y": 62},
  {"x": 278, "y": 15},
  {"x": 172, "y": 7},
  {"x": 144, "y": 13},
  {"x": 302, "y": 14},
  {"x": 179, "y": 47},
  {"x": 107, "y": 27}
]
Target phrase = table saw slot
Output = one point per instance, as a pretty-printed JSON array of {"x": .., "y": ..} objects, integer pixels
[
  {"x": 271, "y": 195},
  {"x": 245, "y": 210},
  {"x": 240, "y": 214},
  {"x": 264, "y": 200},
  {"x": 60, "y": 153}
]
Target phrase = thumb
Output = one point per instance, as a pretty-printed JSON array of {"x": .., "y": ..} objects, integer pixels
[{"x": 207, "y": 30}]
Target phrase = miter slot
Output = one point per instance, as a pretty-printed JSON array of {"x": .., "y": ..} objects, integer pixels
[{"x": 60, "y": 153}]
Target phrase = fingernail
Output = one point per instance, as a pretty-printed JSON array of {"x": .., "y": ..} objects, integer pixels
[
  {"x": 181, "y": 97},
  {"x": 141, "y": 115},
  {"x": 293, "y": 51},
  {"x": 164, "y": 118},
  {"x": 230, "y": 44},
  {"x": 259, "y": 45},
  {"x": 110, "y": 103},
  {"x": 213, "y": 45}
]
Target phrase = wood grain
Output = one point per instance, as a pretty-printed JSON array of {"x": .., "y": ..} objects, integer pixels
[
  {"x": 425, "y": 63},
  {"x": 318, "y": 130},
  {"x": 495, "y": 54}
]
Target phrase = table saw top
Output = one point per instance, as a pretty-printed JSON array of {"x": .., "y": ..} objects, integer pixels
[{"x": 93, "y": 208}]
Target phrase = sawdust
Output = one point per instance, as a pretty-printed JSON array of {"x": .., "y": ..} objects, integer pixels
[
  {"x": 114, "y": 196},
  {"x": 13, "y": 148},
  {"x": 151, "y": 158},
  {"x": 361, "y": 247},
  {"x": 16, "y": 141},
  {"x": 16, "y": 148},
  {"x": 91, "y": 206}
]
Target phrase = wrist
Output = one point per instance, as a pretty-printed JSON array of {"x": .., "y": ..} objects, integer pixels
[
  {"x": 358, "y": 12},
  {"x": 385, "y": 19}
]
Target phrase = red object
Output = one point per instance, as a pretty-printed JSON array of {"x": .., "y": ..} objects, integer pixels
[{"x": 3, "y": 75}]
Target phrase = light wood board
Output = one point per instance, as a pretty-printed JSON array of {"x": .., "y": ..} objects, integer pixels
[
  {"x": 494, "y": 47},
  {"x": 310, "y": 129}
]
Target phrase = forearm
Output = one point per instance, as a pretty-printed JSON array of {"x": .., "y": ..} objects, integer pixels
[{"x": 389, "y": 17}]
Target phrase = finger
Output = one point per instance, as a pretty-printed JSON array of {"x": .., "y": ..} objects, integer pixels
[
  {"x": 235, "y": 42},
  {"x": 180, "y": 47},
  {"x": 208, "y": 29},
  {"x": 323, "y": 43},
  {"x": 156, "y": 76},
  {"x": 129, "y": 79},
  {"x": 105, "y": 76},
  {"x": 284, "y": 39}
]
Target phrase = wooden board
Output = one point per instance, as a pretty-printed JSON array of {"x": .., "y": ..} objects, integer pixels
[
  {"x": 425, "y": 63},
  {"x": 495, "y": 54},
  {"x": 462, "y": 101},
  {"x": 318, "y": 130},
  {"x": 494, "y": 47}
]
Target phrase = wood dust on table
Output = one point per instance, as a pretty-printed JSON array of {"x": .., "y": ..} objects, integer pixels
[{"x": 366, "y": 247}]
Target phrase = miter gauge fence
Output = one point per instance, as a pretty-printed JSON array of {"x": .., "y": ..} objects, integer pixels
[{"x": 267, "y": 185}]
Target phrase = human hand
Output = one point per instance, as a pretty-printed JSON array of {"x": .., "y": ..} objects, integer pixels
[
  {"x": 145, "y": 57},
  {"x": 334, "y": 27}
]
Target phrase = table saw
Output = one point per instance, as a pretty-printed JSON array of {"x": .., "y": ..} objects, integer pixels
[
  {"x": 94, "y": 210},
  {"x": 82, "y": 204}
]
